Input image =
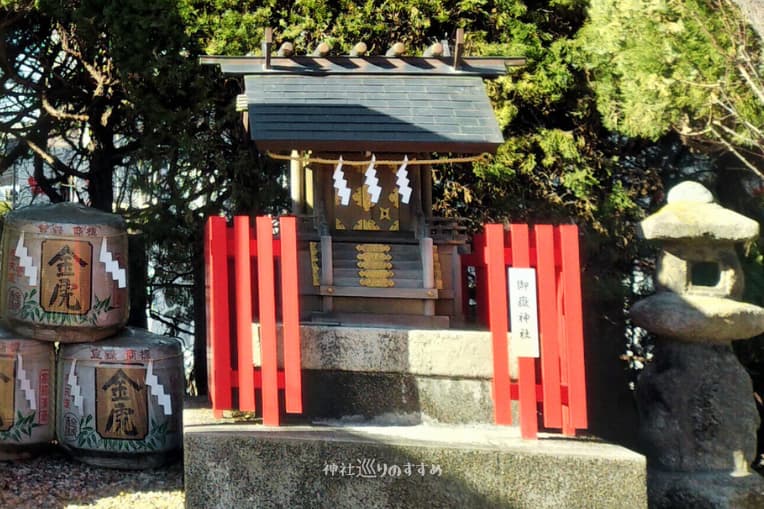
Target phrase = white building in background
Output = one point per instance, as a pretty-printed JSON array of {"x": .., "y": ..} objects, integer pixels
[{"x": 18, "y": 186}]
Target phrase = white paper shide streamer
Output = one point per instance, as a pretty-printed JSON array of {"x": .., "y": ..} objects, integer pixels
[
  {"x": 402, "y": 181},
  {"x": 76, "y": 390},
  {"x": 25, "y": 261},
  {"x": 157, "y": 389},
  {"x": 112, "y": 266},
  {"x": 26, "y": 386},
  {"x": 340, "y": 184},
  {"x": 372, "y": 182}
]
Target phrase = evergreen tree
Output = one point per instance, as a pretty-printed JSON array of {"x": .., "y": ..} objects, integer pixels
[{"x": 689, "y": 66}]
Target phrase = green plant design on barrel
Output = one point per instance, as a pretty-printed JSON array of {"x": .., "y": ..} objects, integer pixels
[
  {"x": 22, "y": 427},
  {"x": 32, "y": 311},
  {"x": 89, "y": 437}
]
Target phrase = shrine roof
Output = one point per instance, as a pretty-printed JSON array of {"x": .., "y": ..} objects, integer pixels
[
  {"x": 408, "y": 113},
  {"x": 368, "y": 103}
]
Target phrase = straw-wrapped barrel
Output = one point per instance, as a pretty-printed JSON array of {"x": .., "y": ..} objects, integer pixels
[
  {"x": 120, "y": 400},
  {"x": 64, "y": 273},
  {"x": 27, "y": 397}
]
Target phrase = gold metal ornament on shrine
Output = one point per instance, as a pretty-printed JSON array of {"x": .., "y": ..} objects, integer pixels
[
  {"x": 26, "y": 395},
  {"x": 64, "y": 273},
  {"x": 120, "y": 400}
]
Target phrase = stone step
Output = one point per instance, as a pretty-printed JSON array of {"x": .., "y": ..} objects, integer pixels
[
  {"x": 399, "y": 274},
  {"x": 384, "y": 464},
  {"x": 396, "y": 282},
  {"x": 353, "y": 260},
  {"x": 443, "y": 374},
  {"x": 394, "y": 264},
  {"x": 401, "y": 252},
  {"x": 380, "y": 320}
]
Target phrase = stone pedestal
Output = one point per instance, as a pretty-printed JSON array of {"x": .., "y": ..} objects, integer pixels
[
  {"x": 696, "y": 408},
  {"x": 698, "y": 425}
]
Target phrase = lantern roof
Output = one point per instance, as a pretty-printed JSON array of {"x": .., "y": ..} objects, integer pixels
[{"x": 691, "y": 215}]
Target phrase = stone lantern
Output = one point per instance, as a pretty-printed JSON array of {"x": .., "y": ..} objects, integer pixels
[{"x": 698, "y": 419}]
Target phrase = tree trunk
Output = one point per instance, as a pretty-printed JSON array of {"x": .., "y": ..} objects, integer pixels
[
  {"x": 100, "y": 184},
  {"x": 138, "y": 265}
]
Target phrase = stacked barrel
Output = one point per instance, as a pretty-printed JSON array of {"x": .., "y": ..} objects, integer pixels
[{"x": 117, "y": 391}]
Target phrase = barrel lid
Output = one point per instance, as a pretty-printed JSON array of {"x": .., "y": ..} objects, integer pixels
[
  {"x": 129, "y": 337},
  {"x": 26, "y": 343},
  {"x": 65, "y": 213}
]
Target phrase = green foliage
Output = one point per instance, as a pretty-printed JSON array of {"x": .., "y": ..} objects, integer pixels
[
  {"x": 692, "y": 66},
  {"x": 235, "y": 28}
]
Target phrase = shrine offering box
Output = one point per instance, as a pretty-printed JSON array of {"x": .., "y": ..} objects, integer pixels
[
  {"x": 64, "y": 273},
  {"x": 120, "y": 400},
  {"x": 26, "y": 395}
]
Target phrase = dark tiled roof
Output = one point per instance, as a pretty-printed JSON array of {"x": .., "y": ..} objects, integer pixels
[{"x": 375, "y": 113}]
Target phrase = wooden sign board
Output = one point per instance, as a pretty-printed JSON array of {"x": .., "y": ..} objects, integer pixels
[
  {"x": 66, "y": 278},
  {"x": 121, "y": 403},
  {"x": 523, "y": 312},
  {"x": 7, "y": 392}
]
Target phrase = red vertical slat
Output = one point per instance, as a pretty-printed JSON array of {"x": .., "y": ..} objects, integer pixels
[
  {"x": 548, "y": 317},
  {"x": 268, "y": 340},
  {"x": 574, "y": 325},
  {"x": 290, "y": 314},
  {"x": 243, "y": 284},
  {"x": 521, "y": 257},
  {"x": 210, "y": 301},
  {"x": 218, "y": 325},
  {"x": 567, "y": 426},
  {"x": 497, "y": 314}
]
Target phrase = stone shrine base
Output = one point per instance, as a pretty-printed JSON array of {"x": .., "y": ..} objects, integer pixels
[
  {"x": 248, "y": 465},
  {"x": 381, "y": 403}
]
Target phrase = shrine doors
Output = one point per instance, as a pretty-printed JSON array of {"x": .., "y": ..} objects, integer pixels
[{"x": 388, "y": 214}]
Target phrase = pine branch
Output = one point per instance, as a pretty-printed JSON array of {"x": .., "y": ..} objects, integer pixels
[
  {"x": 59, "y": 114},
  {"x": 737, "y": 154},
  {"x": 51, "y": 160}
]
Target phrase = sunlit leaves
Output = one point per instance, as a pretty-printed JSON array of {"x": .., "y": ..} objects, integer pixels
[{"x": 690, "y": 66}]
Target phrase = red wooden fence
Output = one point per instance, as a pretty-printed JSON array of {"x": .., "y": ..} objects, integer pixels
[
  {"x": 557, "y": 379},
  {"x": 237, "y": 296}
]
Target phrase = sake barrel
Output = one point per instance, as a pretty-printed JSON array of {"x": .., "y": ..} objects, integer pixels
[
  {"x": 64, "y": 273},
  {"x": 27, "y": 397},
  {"x": 120, "y": 400}
]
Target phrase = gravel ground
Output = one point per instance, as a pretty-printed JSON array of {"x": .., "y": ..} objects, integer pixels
[{"x": 52, "y": 480}]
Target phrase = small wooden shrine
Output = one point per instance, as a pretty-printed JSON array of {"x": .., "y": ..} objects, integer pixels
[{"x": 360, "y": 133}]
